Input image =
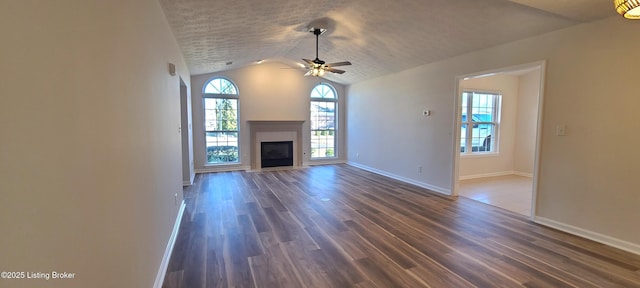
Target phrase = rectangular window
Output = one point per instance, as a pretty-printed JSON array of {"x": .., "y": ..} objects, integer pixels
[
  {"x": 479, "y": 122},
  {"x": 221, "y": 130},
  {"x": 323, "y": 129}
]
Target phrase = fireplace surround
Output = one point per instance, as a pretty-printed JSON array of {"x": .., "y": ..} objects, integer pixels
[{"x": 275, "y": 131}]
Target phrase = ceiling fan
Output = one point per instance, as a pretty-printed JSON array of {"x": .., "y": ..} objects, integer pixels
[{"x": 318, "y": 67}]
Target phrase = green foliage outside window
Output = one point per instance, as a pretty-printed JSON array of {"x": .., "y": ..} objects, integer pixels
[{"x": 222, "y": 154}]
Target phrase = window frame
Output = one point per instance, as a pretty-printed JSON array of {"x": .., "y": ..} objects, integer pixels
[
  {"x": 495, "y": 139},
  {"x": 334, "y": 100},
  {"x": 204, "y": 118}
]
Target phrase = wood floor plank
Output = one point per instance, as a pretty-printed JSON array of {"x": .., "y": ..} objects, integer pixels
[
  {"x": 336, "y": 277},
  {"x": 307, "y": 265},
  {"x": 272, "y": 269},
  {"x": 173, "y": 279},
  {"x": 250, "y": 236},
  {"x": 394, "y": 248},
  {"x": 236, "y": 260},
  {"x": 340, "y": 226},
  {"x": 215, "y": 270},
  {"x": 345, "y": 267},
  {"x": 281, "y": 230},
  {"x": 385, "y": 273},
  {"x": 194, "y": 268},
  {"x": 258, "y": 217}
]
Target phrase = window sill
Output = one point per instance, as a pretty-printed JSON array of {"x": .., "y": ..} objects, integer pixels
[
  {"x": 222, "y": 164},
  {"x": 220, "y": 167},
  {"x": 480, "y": 155},
  {"x": 323, "y": 161},
  {"x": 323, "y": 158}
]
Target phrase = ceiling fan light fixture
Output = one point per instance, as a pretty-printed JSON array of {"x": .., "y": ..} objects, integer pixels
[
  {"x": 630, "y": 9},
  {"x": 317, "y": 71},
  {"x": 317, "y": 67}
]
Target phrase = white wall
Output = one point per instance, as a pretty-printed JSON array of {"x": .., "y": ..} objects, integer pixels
[
  {"x": 267, "y": 92},
  {"x": 501, "y": 162},
  {"x": 526, "y": 123},
  {"x": 89, "y": 144},
  {"x": 587, "y": 179}
]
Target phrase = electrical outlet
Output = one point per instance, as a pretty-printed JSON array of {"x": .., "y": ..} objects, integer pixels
[
  {"x": 419, "y": 169},
  {"x": 175, "y": 198}
]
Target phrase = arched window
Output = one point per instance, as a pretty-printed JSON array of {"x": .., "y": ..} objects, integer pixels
[
  {"x": 220, "y": 99},
  {"x": 324, "y": 102}
]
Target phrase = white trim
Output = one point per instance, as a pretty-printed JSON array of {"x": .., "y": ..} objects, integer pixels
[
  {"x": 591, "y": 235},
  {"x": 403, "y": 179},
  {"x": 211, "y": 169},
  {"x": 485, "y": 175},
  {"x": 495, "y": 174},
  {"x": 323, "y": 162},
  {"x": 523, "y": 174},
  {"x": 167, "y": 253},
  {"x": 536, "y": 160},
  {"x": 479, "y": 154},
  {"x": 191, "y": 179}
]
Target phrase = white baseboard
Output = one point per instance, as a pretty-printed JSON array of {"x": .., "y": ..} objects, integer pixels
[
  {"x": 523, "y": 174},
  {"x": 323, "y": 162},
  {"x": 189, "y": 182},
  {"x": 192, "y": 178},
  {"x": 222, "y": 169},
  {"x": 403, "y": 179},
  {"x": 167, "y": 253},
  {"x": 600, "y": 238},
  {"x": 493, "y": 174}
]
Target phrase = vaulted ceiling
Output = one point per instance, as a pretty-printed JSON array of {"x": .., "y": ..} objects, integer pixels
[{"x": 378, "y": 36}]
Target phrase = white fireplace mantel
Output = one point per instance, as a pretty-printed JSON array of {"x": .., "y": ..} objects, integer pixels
[{"x": 288, "y": 130}]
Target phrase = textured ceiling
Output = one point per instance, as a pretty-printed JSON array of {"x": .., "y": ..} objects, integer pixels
[{"x": 378, "y": 36}]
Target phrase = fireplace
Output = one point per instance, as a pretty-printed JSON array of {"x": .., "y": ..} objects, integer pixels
[
  {"x": 276, "y": 154},
  {"x": 275, "y": 131}
]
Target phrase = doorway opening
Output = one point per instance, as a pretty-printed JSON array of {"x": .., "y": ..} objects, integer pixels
[{"x": 502, "y": 107}]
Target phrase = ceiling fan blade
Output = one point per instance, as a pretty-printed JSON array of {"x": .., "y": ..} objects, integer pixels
[
  {"x": 308, "y": 73},
  {"x": 334, "y": 70},
  {"x": 344, "y": 63},
  {"x": 308, "y": 61}
]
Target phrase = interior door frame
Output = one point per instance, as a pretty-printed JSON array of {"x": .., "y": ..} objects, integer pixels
[{"x": 541, "y": 65}]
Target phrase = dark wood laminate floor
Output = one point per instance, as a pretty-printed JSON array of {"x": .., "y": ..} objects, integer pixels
[{"x": 339, "y": 226}]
